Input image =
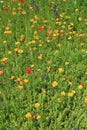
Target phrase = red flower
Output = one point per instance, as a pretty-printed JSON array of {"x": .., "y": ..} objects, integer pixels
[
  {"x": 6, "y": 9},
  {"x": 32, "y": 115},
  {"x": 48, "y": 5},
  {"x": 40, "y": 28},
  {"x": 3, "y": 63},
  {"x": 22, "y": 1},
  {"x": 28, "y": 71},
  {"x": 14, "y": 0}
]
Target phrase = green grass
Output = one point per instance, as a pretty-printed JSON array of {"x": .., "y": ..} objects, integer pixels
[{"x": 57, "y": 59}]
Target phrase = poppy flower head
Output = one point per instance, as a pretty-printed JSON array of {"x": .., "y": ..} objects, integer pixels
[
  {"x": 40, "y": 28},
  {"x": 3, "y": 63},
  {"x": 32, "y": 115},
  {"x": 22, "y": 1},
  {"x": 7, "y": 9},
  {"x": 28, "y": 71}
]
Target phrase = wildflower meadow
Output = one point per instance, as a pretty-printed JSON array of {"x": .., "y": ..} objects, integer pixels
[{"x": 43, "y": 64}]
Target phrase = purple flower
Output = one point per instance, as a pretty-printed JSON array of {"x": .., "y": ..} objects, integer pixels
[
  {"x": 74, "y": 129},
  {"x": 86, "y": 115}
]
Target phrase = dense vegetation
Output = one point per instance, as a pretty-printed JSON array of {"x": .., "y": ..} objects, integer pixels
[{"x": 43, "y": 65}]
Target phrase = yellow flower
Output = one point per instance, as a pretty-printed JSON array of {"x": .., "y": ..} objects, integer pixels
[
  {"x": 32, "y": 65},
  {"x": 71, "y": 24},
  {"x": 63, "y": 26},
  {"x": 31, "y": 20},
  {"x": 58, "y": 45},
  {"x": 30, "y": 7},
  {"x": 36, "y": 17},
  {"x": 35, "y": 32},
  {"x": 38, "y": 117},
  {"x": 59, "y": 99},
  {"x": 60, "y": 70},
  {"x": 36, "y": 37},
  {"x": 7, "y": 28},
  {"x": 25, "y": 80},
  {"x": 12, "y": 77},
  {"x": 4, "y": 41},
  {"x": 33, "y": 42},
  {"x": 68, "y": 17},
  {"x": 40, "y": 57},
  {"x": 70, "y": 94},
  {"x": 48, "y": 40},
  {"x": 62, "y": 15},
  {"x": 63, "y": 79},
  {"x": 69, "y": 38},
  {"x": 22, "y": 38},
  {"x": 58, "y": 23},
  {"x": 76, "y": 10},
  {"x": 85, "y": 101},
  {"x": 23, "y": 12},
  {"x": 34, "y": 22},
  {"x": 86, "y": 72},
  {"x": 37, "y": 105},
  {"x": 80, "y": 19},
  {"x": 81, "y": 44},
  {"x": 85, "y": 23},
  {"x": 8, "y": 32},
  {"x": 17, "y": 43},
  {"x": 32, "y": 26},
  {"x": 20, "y": 82},
  {"x": 9, "y": 52},
  {"x": 28, "y": 115},
  {"x": 54, "y": 35},
  {"x": 66, "y": 63},
  {"x": 80, "y": 87},
  {"x": 69, "y": 83},
  {"x": 14, "y": 13},
  {"x": 73, "y": 91},
  {"x": 4, "y": 59},
  {"x": 21, "y": 129},
  {"x": 83, "y": 50},
  {"x": 38, "y": 70},
  {"x": 40, "y": 44},
  {"x": 48, "y": 62},
  {"x": 43, "y": 91},
  {"x": 48, "y": 68},
  {"x": 20, "y": 51},
  {"x": 54, "y": 84},
  {"x": 64, "y": 23},
  {"x": 18, "y": 79},
  {"x": 20, "y": 87},
  {"x": 16, "y": 49},
  {"x": 46, "y": 21},
  {"x": 62, "y": 93}
]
